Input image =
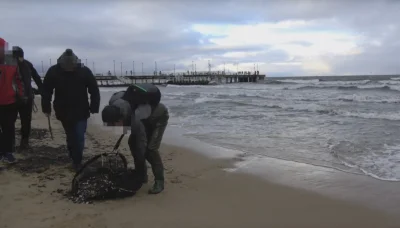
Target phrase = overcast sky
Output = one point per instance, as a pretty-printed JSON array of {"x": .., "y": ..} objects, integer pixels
[{"x": 284, "y": 38}]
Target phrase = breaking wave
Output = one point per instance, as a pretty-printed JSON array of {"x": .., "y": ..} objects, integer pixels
[
  {"x": 367, "y": 87},
  {"x": 311, "y": 107},
  {"x": 368, "y": 99},
  {"x": 382, "y": 164}
]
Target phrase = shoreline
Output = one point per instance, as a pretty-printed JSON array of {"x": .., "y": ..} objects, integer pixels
[
  {"x": 324, "y": 180},
  {"x": 199, "y": 193}
]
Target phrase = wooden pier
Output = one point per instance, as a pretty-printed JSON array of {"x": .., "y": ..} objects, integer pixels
[{"x": 212, "y": 78}]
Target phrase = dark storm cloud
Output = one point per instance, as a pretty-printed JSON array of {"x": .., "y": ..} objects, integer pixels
[{"x": 148, "y": 31}]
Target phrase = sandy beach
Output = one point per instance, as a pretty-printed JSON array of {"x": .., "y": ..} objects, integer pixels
[{"x": 198, "y": 193}]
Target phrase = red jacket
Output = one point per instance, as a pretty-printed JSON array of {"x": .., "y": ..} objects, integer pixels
[{"x": 11, "y": 84}]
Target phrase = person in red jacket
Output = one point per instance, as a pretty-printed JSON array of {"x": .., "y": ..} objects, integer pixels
[{"x": 11, "y": 93}]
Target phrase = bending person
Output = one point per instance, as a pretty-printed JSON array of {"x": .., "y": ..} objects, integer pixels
[{"x": 140, "y": 109}]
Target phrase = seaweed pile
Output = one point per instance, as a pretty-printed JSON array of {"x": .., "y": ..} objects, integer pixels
[
  {"x": 38, "y": 133},
  {"x": 97, "y": 182},
  {"x": 40, "y": 158}
]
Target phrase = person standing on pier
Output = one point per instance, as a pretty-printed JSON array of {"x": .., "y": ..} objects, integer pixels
[
  {"x": 139, "y": 107},
  {"x": 25, "y": 110},
  {"x": 11, "y": 95},
  {"x": 71, "y": 83}
]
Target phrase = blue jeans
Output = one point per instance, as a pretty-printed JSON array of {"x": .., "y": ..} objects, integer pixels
[{"x": 75, "y": 139}]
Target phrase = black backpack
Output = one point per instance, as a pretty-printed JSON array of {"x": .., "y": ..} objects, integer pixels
[{"x": 145, "y": 93}]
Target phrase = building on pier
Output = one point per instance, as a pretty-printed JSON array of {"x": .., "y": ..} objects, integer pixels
[{"x": 189, "y": 78}]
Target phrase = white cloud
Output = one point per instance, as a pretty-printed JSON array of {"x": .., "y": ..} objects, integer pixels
[
  {"x": 241, "y": 54},
  {"x": 317, "y": 66},
  {"x": 287, "y": 63},
  {"x": 296, "y": 38},
  {"x": 284, "y": 38}
]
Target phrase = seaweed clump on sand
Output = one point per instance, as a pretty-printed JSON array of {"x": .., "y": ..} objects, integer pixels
[
  {"x": 98, "y": 181},
  {"x": 41, "y": 158},
  {"x": 35, "y": 134},
  {"x": 38, "y": 133}
]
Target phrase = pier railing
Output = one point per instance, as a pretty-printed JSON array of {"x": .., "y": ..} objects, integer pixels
[{"x": 193, "y": 79}]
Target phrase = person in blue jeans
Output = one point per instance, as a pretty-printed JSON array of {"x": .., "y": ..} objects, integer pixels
[
  {"x": 71, "y": 83},
  {"x": 75, "y": 140}
]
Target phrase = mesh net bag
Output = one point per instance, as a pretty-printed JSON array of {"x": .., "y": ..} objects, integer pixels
[{"x": 105, "y": 176}]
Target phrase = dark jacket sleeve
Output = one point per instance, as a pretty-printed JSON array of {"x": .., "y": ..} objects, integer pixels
[
  {"x": 47, "y": 90},
  {"x": 35, "y": 76},
  {"x": 93, "y": 89}
]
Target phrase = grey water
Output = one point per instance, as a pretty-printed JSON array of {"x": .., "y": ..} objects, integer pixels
[{"x": 352, "y": 126}]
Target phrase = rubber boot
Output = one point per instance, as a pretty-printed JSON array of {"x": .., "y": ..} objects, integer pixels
[{"x": 157, "y": 187}]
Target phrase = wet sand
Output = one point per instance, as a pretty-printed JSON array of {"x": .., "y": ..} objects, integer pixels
[{"x": 198, "y": 193}]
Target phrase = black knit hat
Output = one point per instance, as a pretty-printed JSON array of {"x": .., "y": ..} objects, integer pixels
[
  {"x": 111, "y": 114},
  {"x": 17, "y": 52}
]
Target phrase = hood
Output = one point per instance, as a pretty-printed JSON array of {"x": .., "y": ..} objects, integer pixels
[
  {"x": 68, "y": 60},
  {"x": 124, "y": 106},
  {"x": 18, "y": 52}
]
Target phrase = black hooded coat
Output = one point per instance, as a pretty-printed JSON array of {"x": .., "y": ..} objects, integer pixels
[{"x": 71, "y": 83}]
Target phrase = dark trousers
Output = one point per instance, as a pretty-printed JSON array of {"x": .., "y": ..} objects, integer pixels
[
  {"x": 75, "y": 133},
  {"x": 25, "y": 114},
  {"x": 8, "y": 116},
  {"x": 152, "y": 155}
]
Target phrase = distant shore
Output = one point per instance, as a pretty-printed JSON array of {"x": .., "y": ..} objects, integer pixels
[{"x": 336, "y": 77}]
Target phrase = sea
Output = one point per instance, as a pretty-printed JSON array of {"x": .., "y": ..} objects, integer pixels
[{"x": 339, "y": 135}]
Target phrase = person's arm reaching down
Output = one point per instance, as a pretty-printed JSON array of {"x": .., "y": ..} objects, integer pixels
[
  {"x": 142, "y": 112},
  {"x": 35, "y": 76},
  {"x": 47, "y": 91},
  {"x": 138, "y": 130}
]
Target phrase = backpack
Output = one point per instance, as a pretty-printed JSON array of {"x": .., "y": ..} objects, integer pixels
[
  {"x": 138, "y": 94},
  {"x": 11, "y": 85}
]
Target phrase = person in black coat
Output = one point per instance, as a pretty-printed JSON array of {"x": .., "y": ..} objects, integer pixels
[
  {"x": 25, "y": 109},
  {"x": 71, "y": 83}
]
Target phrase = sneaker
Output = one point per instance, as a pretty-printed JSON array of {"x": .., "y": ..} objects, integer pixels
[
  {"x": 9, "y": 158},
  {"x": 157, "y": 187}
]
